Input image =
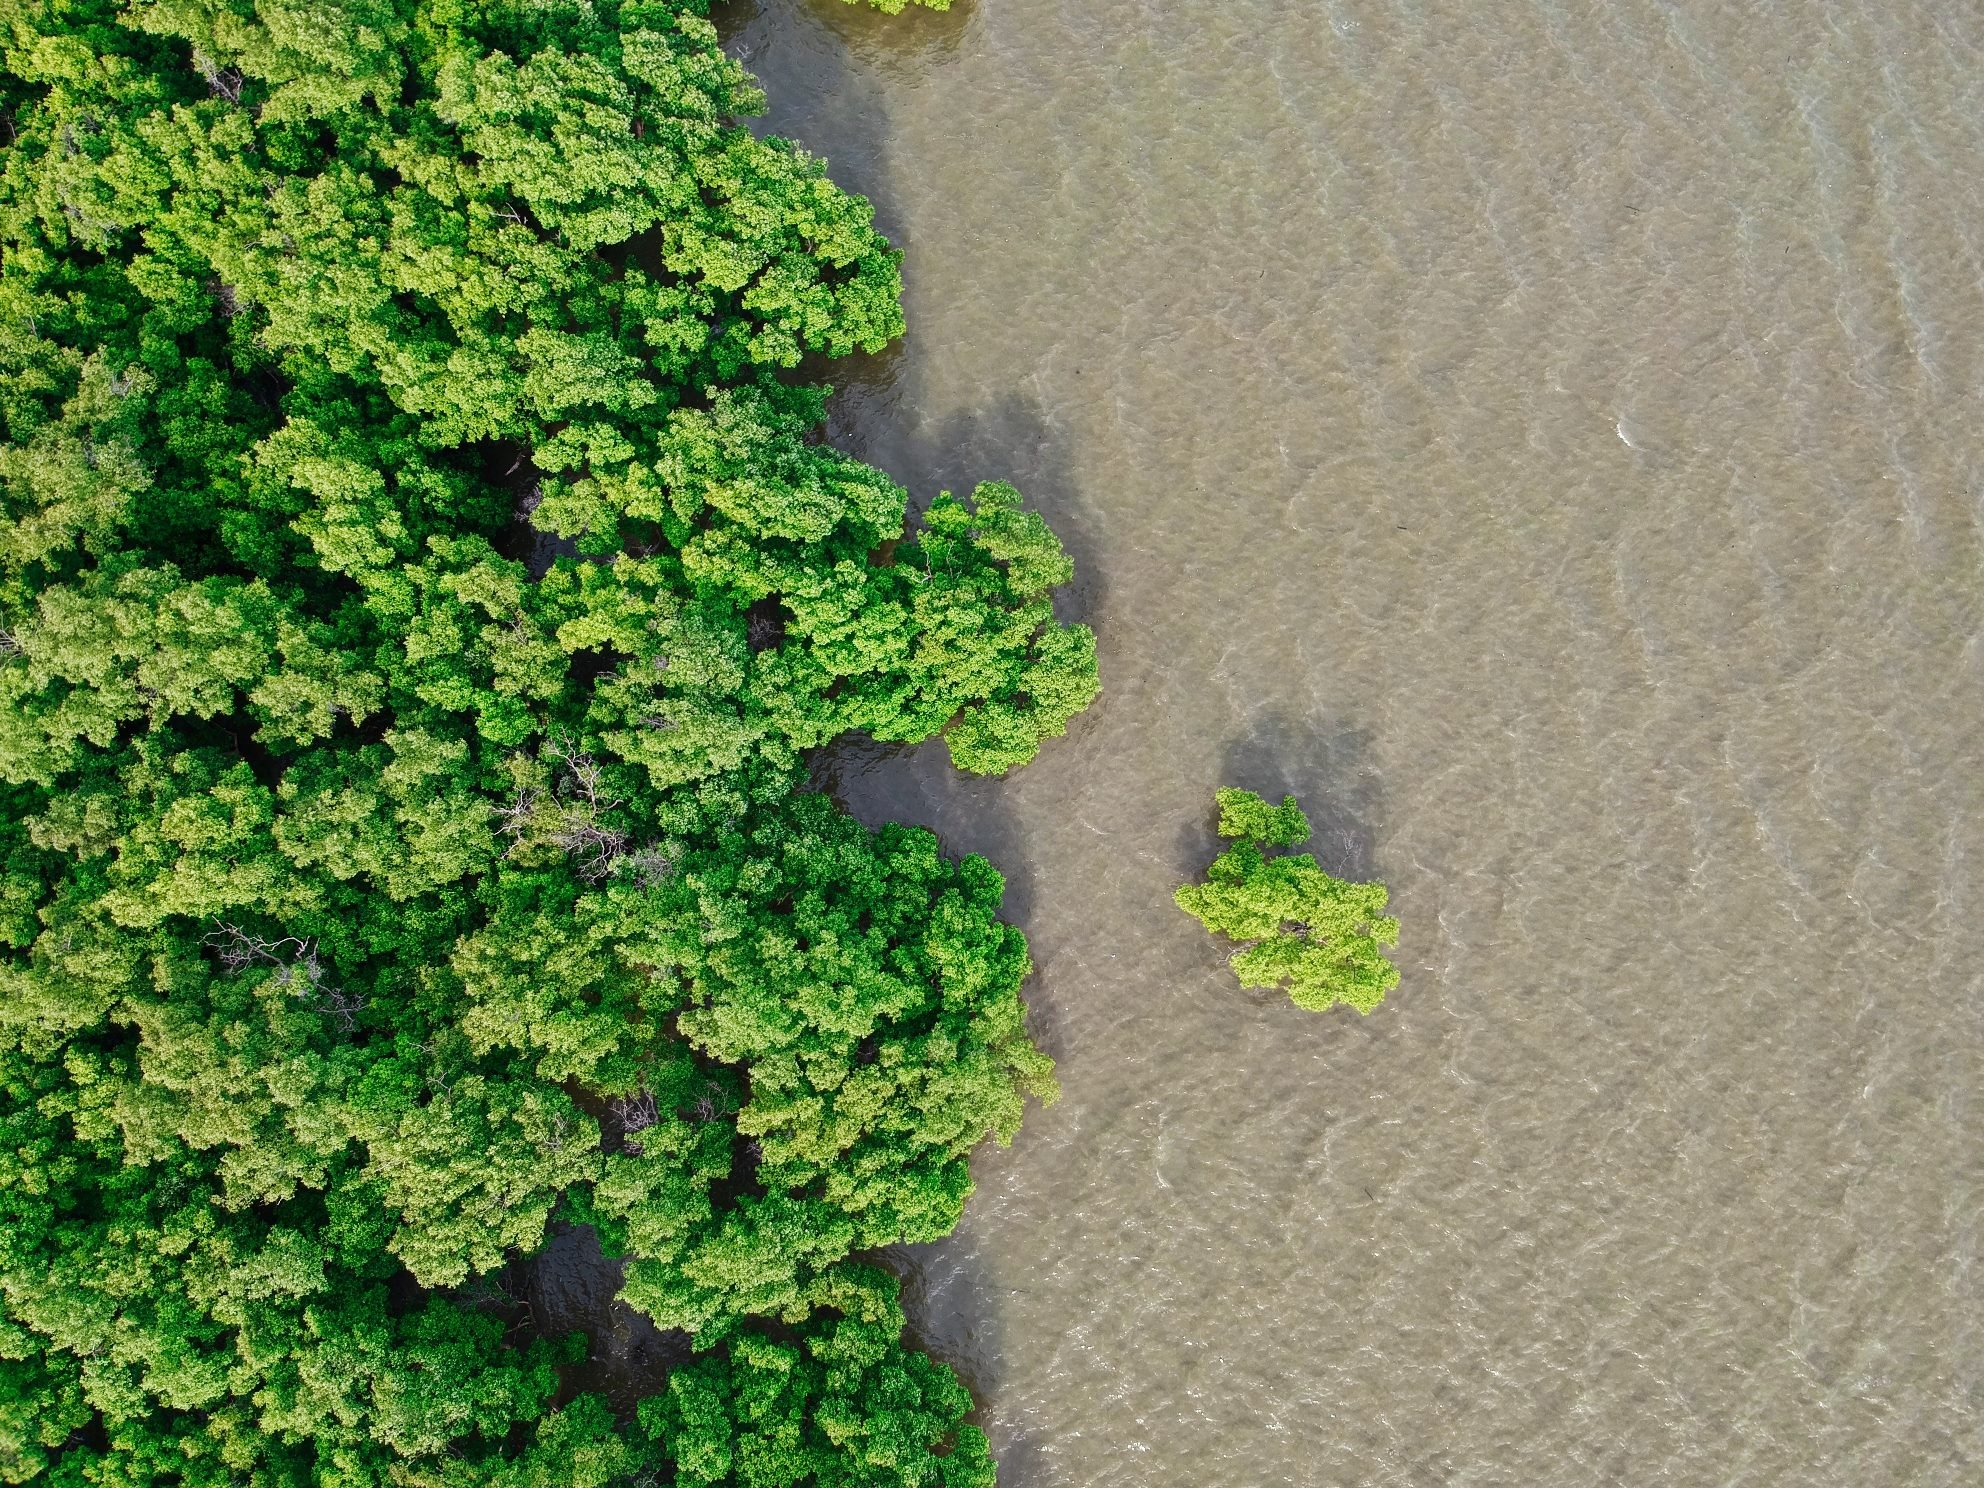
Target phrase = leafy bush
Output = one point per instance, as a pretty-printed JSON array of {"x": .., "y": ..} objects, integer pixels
[
  {"x": 1319, "y": 937},
  {"x": 897, "y": 7}
]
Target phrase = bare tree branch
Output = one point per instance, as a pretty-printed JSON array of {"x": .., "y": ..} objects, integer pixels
[
  {"x": 635, "y": 1113},
  {"x": 299, "y": 969},
  {"x": 222, "y": 82}
]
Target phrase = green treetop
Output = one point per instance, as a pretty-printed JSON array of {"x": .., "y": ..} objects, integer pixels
[
  {"x": 1298, "y": 927},
  {"x": 835, "y": 1403},
  {"x": 373, "y": 899}
]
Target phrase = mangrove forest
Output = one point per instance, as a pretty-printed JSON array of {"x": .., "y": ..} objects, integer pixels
[{"x": 422, "y": 581}]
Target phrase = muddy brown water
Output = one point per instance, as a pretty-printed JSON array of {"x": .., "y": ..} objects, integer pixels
[{"x": 1544, "y": 437}]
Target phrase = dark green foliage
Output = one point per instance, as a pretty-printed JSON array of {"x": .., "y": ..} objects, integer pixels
[
  {"x": 374, "y": 897},
  {"x": 1319, "y": 937}
]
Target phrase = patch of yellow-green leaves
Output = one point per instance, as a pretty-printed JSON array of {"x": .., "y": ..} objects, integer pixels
[{"x": 1320, "y": 938}]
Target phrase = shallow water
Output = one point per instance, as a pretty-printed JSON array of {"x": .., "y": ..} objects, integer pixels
[{"x": 1544, "y": 437}]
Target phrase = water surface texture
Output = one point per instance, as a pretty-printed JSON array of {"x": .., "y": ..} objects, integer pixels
[{"x": 1545, "y": 437}]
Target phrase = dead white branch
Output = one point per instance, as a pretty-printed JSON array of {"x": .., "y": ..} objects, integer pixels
[{"x": 298, "y": 969}]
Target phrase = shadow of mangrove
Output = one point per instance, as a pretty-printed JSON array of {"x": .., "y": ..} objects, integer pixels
[
  {"x": 1011, "y": 440},
  {"x": 831, "y": 100},
  {"x": 820, "y": 63},
  {"x": 957, "y": 1320},
  {"x": 568, "y": 1287},
  {"x": 1326, "y": 765}
]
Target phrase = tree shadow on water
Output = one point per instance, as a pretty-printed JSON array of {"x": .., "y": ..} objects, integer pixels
[
  {"x": 821, "y": 64},
  {"x": 569, "y": 1286},
  {"x": 1012, "y": 439},
  {"x": 1326, "y": 765},
  {"x": 828, "y": 69},
  {"x": 1008, "y": 440},
  {"x": 950, "y": 1296}
]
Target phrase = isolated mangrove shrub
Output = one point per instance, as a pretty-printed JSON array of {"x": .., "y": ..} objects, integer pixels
[
  {"x": 379, "y": 890},
  {"x": 1321, "y": 938},
  {"x": 897, "y": 7}
]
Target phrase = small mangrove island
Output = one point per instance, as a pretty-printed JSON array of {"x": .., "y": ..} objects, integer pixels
[{"x": 1321, "y": 938}]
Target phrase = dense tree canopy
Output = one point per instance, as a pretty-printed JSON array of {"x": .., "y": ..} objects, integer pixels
[
  {"x": 1320, "y": 937},
  {"x": 419, "y": 580},
  {"x": 834, "y": 1402}
]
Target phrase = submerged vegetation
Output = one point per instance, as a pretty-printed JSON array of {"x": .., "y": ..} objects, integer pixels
[
  {"x": 380, "y": 892},
  {"x": 897, "y": 7},
  {"x": 1319, "y": 937}
]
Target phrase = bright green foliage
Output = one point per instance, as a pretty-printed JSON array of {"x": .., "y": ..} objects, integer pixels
[
  {"x": 375, "y": 896},
  {"x": 211, "y": 1345},
  {"x": 865, "y": 983},
  {"x": 897, "y": 7},
  {"x": 1319, "y": 937},
  {"x": 837, "y": 1402}
]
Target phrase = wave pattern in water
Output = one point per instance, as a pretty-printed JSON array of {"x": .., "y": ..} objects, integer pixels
[{"x": 1543, "y": 436}]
